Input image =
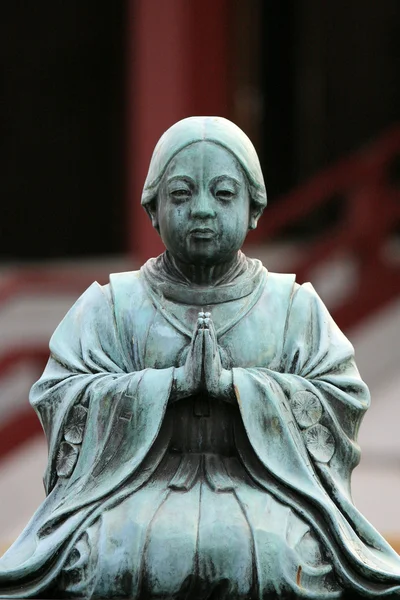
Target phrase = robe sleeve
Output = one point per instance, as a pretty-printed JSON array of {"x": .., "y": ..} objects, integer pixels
[
  {"x": 324, "y": 397},
  {"x": 325, "y": 391},
  {"x": 99, "y": 413},
  {"x": 302, "y": 419}
]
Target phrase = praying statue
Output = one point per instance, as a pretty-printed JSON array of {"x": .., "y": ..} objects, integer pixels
[{"x": 201, "y": 415}]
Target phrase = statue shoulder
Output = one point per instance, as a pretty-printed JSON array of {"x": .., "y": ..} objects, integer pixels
[
  {"x": 128, "y": 284},
  {"x": 305, "y": 295},
  {"x": 121, "y": 286},
  {"x": 282, "y": 285},
  {"x": 128, "y": 294},
  {"x": 300, "y": 300}
]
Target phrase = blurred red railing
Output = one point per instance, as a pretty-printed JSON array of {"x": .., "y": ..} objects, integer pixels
[
  {"x": 49, "y": 281},
  {"x": 368, "y": 188},
  {"x": 24, "y": 424},
  {"x": 369, "y": 217}
]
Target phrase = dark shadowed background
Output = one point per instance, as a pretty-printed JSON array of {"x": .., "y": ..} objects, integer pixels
[{"x": 310, "y": 81}]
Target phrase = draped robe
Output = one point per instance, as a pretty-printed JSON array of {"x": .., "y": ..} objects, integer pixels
[{"x": 300, "y": 396}]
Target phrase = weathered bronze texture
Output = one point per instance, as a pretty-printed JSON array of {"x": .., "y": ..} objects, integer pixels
[{"x": 201, "y": 415}]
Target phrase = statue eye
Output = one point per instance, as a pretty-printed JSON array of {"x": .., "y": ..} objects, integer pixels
[
  {"x": 180, "y": 194},
  {"x": 225, "y": 194}
]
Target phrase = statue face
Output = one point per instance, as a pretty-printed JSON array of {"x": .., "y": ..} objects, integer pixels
[{"x": 203, "y": 207}]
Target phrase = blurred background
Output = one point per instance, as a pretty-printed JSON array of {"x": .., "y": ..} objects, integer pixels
[{"x": 87, "y": 88}]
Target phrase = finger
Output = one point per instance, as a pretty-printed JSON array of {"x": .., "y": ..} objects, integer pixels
[
  {"x": 213, "y": 334},
  {"x": 198, "y": 357},
  {"x": 191, "y": 359},
  {"x": 198, "y": 342},
  {"x": 200, "y": 323},
  {"x": 208, "y": 353},
  {"x": 212, "y": 360},
  {"x": 212, "y": 367},
  {"x": 193, "y": 340}
]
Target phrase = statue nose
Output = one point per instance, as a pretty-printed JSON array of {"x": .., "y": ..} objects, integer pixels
[{"x": 202, "y": 207}]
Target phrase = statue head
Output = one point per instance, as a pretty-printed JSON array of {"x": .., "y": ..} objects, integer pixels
[{"x": 204, "y": 189}]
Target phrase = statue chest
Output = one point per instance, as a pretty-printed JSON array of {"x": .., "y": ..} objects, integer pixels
[{"x": 247, "y": 338}]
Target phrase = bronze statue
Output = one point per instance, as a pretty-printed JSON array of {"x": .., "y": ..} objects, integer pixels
[{"x": 201, "y": 415}]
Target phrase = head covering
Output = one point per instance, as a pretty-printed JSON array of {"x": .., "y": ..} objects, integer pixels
[{"x": 211, "y": 129}]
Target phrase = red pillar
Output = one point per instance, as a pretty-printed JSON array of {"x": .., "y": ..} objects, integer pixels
[{"x": 177, "y": 66}]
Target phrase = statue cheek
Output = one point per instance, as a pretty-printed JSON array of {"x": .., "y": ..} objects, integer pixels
[
  {"x": 178, "y": 219},
  {"x": 172, "y": 224},
  {"x": 235, "y": 231}
]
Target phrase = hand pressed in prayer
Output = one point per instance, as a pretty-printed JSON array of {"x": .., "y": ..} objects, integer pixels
[
  {"x": 188, "y": 379},
  {"x": 212, "y": 367},
  {"x": 203, "y": 370},
  {"x": 216, "y": 380},
  {"x": 193, "y": 367}
]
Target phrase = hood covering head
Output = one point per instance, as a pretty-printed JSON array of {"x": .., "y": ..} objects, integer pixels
[{"x": 210, "y": 129}]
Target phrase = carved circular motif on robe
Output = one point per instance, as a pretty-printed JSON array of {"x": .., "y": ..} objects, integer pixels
[
  {"x": 66, "y": 459},
  {"x": 75, "y": 426},
  {"x": 320, "y": 443},
  {"x": 306, "y": 407}
]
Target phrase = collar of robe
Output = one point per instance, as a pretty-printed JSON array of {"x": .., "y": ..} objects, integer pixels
[
  {"x": 161, "y": 284},
  {"x": 165, "y": 280}
]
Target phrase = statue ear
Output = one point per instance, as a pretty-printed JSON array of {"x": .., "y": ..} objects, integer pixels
[
  {"x": 253, "y": 222},
  {"x": 151, "y": 209},
  {"x": 255, "y": 214}
]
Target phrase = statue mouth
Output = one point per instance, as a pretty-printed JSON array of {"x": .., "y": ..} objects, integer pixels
[{"x": 203, "y": 233}]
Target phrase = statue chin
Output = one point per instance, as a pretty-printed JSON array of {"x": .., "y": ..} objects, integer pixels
[{"x": 201, "y": 417}]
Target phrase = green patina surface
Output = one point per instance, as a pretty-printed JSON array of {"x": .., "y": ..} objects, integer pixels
[{"x": 201, "y": 415}]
